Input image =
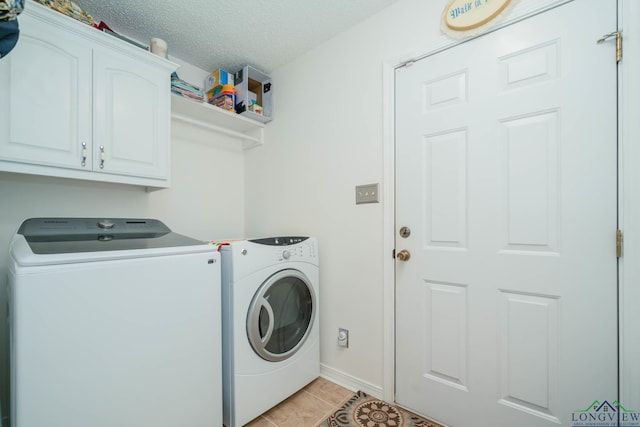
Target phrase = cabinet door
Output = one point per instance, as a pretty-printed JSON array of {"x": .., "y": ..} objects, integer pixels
[
  {"x": 131, "y": 117},
  {"x": 45, "y": 101}
]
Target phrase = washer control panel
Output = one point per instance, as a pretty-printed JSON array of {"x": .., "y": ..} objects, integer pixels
[
  {"x": 46, "y": 236},
  {"x": 77, "y": 229}
]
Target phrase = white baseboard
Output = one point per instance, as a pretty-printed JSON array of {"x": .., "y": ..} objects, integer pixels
[{"x": 350, "y": 382}]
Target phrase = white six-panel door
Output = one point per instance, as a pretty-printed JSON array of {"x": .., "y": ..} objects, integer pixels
[{"x": 506, "y": 175}]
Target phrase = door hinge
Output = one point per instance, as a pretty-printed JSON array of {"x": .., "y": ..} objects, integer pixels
[
  {"x": 619, "y": 243},
  {"x": 618, "y": 36},
  {"x": 407, "y": 63}
]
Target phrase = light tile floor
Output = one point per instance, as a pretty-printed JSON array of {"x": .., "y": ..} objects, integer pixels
[{"x": 307, "y": 408}]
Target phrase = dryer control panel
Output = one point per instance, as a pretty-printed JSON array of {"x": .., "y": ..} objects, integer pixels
[
  {"x": 280, "y": 241},
  {"x": 296, "y": 252},
  {"x": 289, "y": 247},
  {"x": 293, "y": 248},
  {"x": 254, "y": 254}
]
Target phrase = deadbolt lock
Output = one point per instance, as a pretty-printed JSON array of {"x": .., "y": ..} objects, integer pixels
[
  {"x": 405, "y": 232},
  {"x": 403, "y": 255}
]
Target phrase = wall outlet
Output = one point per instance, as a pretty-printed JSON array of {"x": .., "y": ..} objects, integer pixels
[{"x": 343, "y": 337}]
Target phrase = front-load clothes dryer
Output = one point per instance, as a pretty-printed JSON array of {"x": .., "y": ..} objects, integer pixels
[
  {"x": 113, "y": 322},
  {"x": 269, "y": 322}
]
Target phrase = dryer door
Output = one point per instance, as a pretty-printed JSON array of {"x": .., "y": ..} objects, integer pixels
[{"x": 281, "y": 315}]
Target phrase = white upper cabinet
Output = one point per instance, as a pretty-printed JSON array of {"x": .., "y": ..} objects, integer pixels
[
  {"x": 78, "y": 103},
  {"x": 132, "y": 109},
  {"x": 46, "y": 104}
]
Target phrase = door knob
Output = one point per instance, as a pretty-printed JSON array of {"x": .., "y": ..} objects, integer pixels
[{"x": 403, "y": 255}]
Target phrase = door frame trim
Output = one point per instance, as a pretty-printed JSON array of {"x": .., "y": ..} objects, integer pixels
[
  {"x": 520, "y": 11},
  {"x": 629, "y": 198}
]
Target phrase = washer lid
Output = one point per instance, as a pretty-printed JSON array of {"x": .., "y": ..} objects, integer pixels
[{"x": 75, "y": 235}]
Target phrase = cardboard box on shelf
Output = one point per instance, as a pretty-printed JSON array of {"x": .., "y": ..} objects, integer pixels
[
  {"x": 249, "y": 82},
  {"x": 218, "y": 77}
]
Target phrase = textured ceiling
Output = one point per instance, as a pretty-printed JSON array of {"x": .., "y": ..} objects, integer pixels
[{"x": 231, "y": 34}]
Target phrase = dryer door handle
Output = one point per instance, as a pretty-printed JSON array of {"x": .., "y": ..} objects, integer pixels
[{"x": 264, "y": 303}]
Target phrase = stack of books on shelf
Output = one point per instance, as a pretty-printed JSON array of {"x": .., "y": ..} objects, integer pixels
[{"x": 183, "y": 88}]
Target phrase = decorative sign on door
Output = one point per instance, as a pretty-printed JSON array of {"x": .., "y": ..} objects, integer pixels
[{"x": 462, "y": 18}]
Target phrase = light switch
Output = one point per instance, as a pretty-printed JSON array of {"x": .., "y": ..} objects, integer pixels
[{"x": 368, "y": 193}]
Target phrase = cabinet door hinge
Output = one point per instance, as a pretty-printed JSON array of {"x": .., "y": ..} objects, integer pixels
[
  {"x": 618, "y": 36},
  {"x": 619, "y": 243},
  {"x": 407, "y": 63}
]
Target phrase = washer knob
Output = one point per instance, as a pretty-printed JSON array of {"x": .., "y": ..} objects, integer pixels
[
  {"x": 286, "y": 254},
  {"x": 106, "y": 224}
]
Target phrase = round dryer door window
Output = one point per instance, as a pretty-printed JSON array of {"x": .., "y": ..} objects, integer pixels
[{"x": 281, "y": 315}]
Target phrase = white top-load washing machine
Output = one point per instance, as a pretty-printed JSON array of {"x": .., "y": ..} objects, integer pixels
[
  {"x": 270, "y": 290},
  {"x": 113, "y": 322}
]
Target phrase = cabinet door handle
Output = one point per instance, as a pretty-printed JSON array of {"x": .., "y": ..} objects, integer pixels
[
  {"x": 84, "y": 154},
  {"x": 102, "y": 157}
]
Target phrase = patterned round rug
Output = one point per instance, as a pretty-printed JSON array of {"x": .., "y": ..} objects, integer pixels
[{"x": 363, "y": 410}]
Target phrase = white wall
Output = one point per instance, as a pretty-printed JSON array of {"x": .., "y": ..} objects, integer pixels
[
  {"x": 327, "y": 137},
  {"x": 197, "y": 204}
]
